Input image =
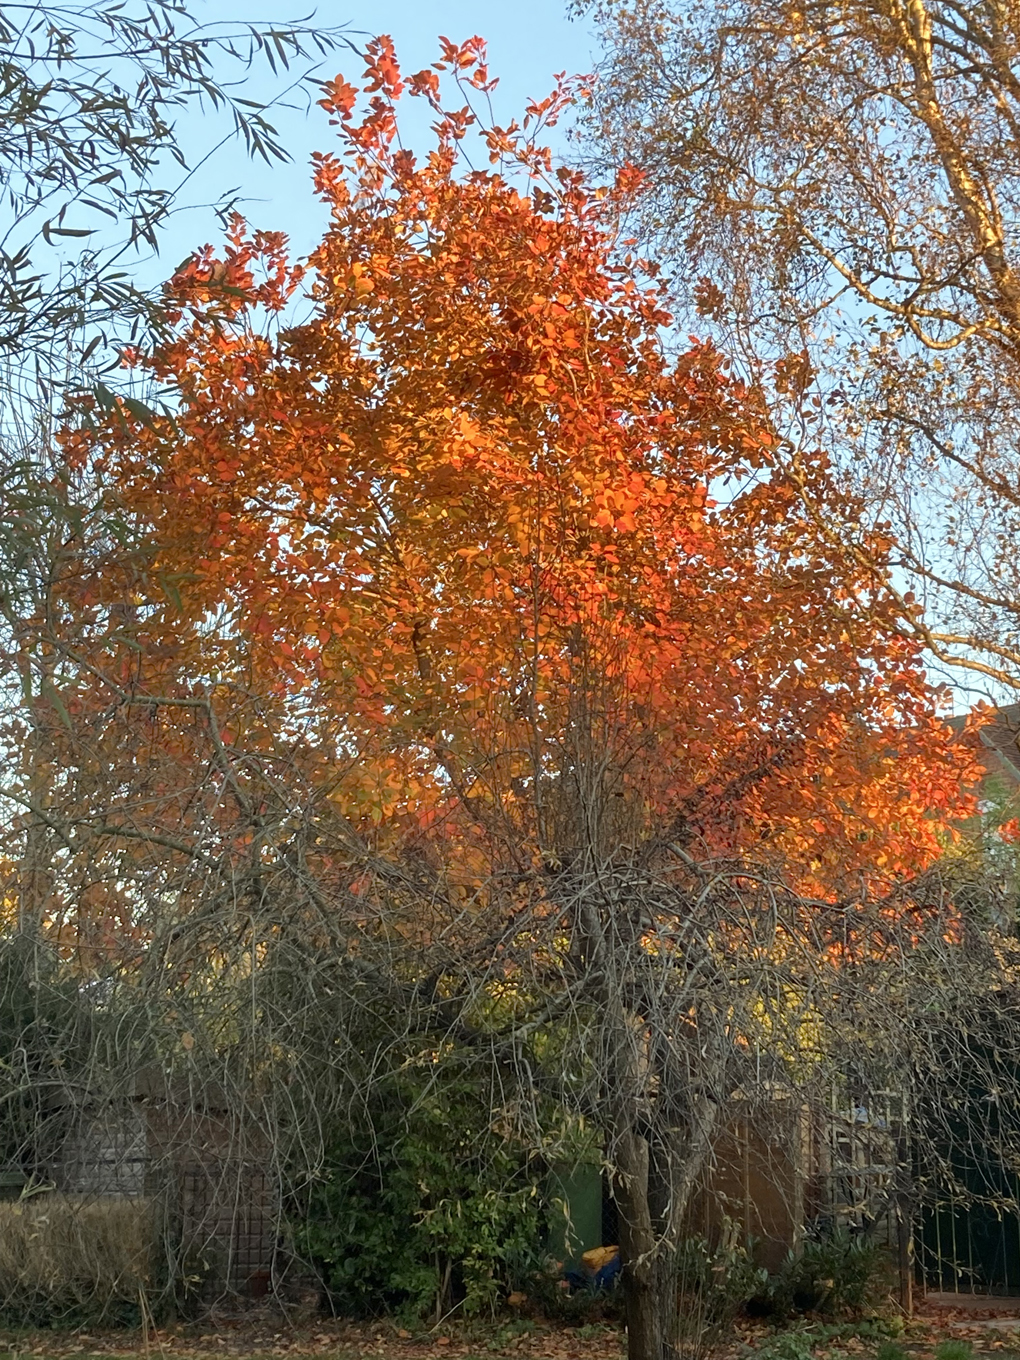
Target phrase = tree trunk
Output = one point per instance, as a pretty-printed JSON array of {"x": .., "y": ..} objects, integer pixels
[
  {"x": 649, "y": 1274},
  {"x": 652, "y": 1190},
  {"x": 35, "y": 876},
  {"x": 645, "y": 1312},
  {"x": 641, "y": 1279}
]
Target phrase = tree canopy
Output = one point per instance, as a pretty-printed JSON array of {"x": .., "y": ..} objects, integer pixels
[
  {"x": 486, "y": 541},
  {"x": 838, "y": 184}
]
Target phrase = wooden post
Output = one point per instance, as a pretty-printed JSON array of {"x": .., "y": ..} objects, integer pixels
[{"x": 904, "y": 1224}]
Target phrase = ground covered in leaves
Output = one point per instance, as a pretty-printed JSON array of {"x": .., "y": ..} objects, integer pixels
[{"x": 943, "y": 1333}]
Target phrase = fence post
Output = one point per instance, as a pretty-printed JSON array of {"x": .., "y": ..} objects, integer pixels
[{"x": 904, "y": 1223}]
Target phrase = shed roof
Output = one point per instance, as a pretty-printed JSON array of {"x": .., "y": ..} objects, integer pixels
[{"x": 1000, "y": 737}]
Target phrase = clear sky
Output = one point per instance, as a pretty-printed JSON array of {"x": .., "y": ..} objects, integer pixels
[{"x": 529, "y": 40}]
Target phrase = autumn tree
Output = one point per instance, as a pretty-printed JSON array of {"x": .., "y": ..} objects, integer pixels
[
  {"x": 482, "y": 654},
  {"x": 838, "y": 184}
]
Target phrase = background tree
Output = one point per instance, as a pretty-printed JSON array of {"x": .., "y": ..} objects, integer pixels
[
  {"x": 838, "y": 182},
  {"x": 91, "y": 168},
  {"x": 91, "y": 164}
]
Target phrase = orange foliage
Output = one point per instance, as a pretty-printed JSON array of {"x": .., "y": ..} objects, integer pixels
[{"x": 496, "y": 556}]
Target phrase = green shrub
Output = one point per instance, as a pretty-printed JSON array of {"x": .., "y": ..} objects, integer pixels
[
  {"x": 832, "y": 1276},
  {"x": 426, "y": 1206},
  {"x": 714, "y": 1285}
]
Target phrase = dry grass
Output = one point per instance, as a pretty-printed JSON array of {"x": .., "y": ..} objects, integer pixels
[{"x": 74, "y": 1257}]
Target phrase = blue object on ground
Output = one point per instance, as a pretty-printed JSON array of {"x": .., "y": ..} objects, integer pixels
[{"x": 598, "y": 1283}]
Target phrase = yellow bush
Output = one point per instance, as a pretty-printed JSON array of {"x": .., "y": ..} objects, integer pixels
[{"x": 74, "y": 1257}]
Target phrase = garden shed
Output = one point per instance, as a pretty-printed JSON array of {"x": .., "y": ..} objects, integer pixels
[{"x": 197, "y": 1160}]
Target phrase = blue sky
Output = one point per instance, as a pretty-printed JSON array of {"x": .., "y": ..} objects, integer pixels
[{"x": 529, "y": 40}]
